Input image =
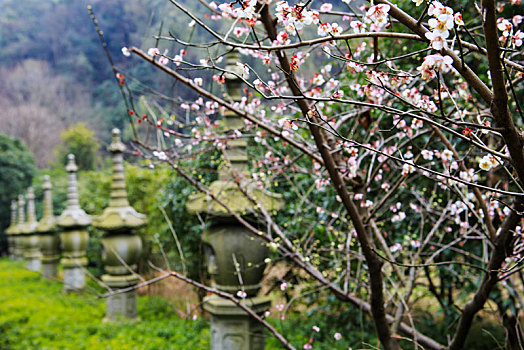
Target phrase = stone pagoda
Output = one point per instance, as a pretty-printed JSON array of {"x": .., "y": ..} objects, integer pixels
[
  {"x": 121, "y": 246},
  {"x": 11, "y": 230},
  {"x": 31, "y": 239},
  {"x": 74, "y": 236},
  {"x": 234, "y": 256},
  {"x": 49, "y": 240}
]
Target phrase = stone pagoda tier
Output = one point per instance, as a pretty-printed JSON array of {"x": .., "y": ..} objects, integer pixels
[
  {"x": 19, "y": 239},
  {"x": 11, "y": 230},
  {"x": 121, "y": 246},
  {"x": 48, "y": 230},
  {"x": 74, "y": 236},
  {"x": 31, "y": 240},
  {"x": 235, "y": 257}
]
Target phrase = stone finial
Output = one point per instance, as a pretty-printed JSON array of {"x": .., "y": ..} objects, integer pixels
[
  {"x": 72, "y": 189},
  {"x": 48, "y": 221},
  {"x": 235, "y": 154},
  {"x": 21, "y": 212},
  {"x": 31, "y": 223},
  {"x": 13, "y": 211},
  {"x": 119, "y": 215},
  {"x": 118, "y": 185},
  {"x": 31, "y": 215},
  {"x": 14, "y": 223},
  {"x": 234, "y": 89},
  {"x": 116, "y": 144},
  {"x": 71, "y": 164},
  {"x": 73, "y": 215}
]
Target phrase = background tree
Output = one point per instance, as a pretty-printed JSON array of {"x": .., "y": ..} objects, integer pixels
[
  {"x": 79, "y": 140},
  {"x": 37, "y": 105},
  {"x": 17, "y": 168}
]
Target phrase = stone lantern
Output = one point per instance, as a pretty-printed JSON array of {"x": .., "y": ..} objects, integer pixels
[
  {"x": 47, "y": 228},
  {"x": 18, "y": 238},
  {"x": 121, "y": 246},
  {"x": 31, "y": 239},
  {"x": 11, "y": 231},
  {"x": 235, "y": 258},
  {"x": 74, "y": 236}
]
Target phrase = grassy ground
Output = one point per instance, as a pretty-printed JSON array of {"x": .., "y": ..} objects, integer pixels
[{"x": 34, "y": 314}]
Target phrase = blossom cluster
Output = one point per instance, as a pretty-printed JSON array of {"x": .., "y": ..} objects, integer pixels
[
  {"x": 295, "y": 17},
  {"x": 508, "y": 31},
  {"x": 443, "y": 20},
  {"x": 246, "y": 9}
]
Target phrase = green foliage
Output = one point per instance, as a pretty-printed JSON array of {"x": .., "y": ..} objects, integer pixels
[
  {"x": 17, "y": 168},
  {"x": 34, "y": 314},
  {"x": 80, "y": 141}
]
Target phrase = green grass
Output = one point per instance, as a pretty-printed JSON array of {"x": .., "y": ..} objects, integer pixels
[{"x": 35, "y": 314}]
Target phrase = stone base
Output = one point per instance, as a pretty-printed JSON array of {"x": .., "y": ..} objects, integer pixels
[
  {"x": 33, "y": 264},
  {"x": 19, "y": 254},
  {"x": 232, "y": 328},
  {"x": 50, "y": 269},
  {"x": 74, "y": 274},
  {"x": 74, "y": 279},
  {"x": 122, "y": 304}
]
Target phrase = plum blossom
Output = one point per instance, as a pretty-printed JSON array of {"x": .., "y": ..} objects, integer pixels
[
  {"x": 177, "y": 59},
  {"x": 517, "y": 38},
  {"x": 245, "y": 69},
  {"x": 407, "y": 168},
  {"x": 458, "y": 19},
  {"x": 160, "y": 155},
  {"x": 294, "y": 18},
  {"x": 335, "y": 29},
  {"x": 446, "y": 155},
  {"x": 358, "y": 27},
  {"x": 436, "y": 9},
  {"x": 485, "y": 164},
  {"x": 125, "y": 52},
  {"x": 378, "y": 14},
  {"x": 504, "y": 26},
  {"x": 283, "y": 38},
  {"x": 488, "y": 162},
  {"x": 153, "y": 51},
  {"x": 395, "y": 247},
  {"x": 438, "y": 39},
  {"x": 324, "y": 29},
  {"x": 337, "y": 336},
  {"x": 318, "y": 79},
  {"x": 434, "y": 63},
  {"x": 246, "y": 10},
  {"x": 398, "y": 217},
  {"x": 326, "y": 7},
  {"x": 415, "y": 243},
  {"x": 239, "y": 31}
]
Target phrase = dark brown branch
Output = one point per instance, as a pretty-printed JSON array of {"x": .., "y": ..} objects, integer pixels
[
  {"x": 501, "y": 113},
  {"x": 502, "y": 249},
  {"x": 324, "y": 146}
]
